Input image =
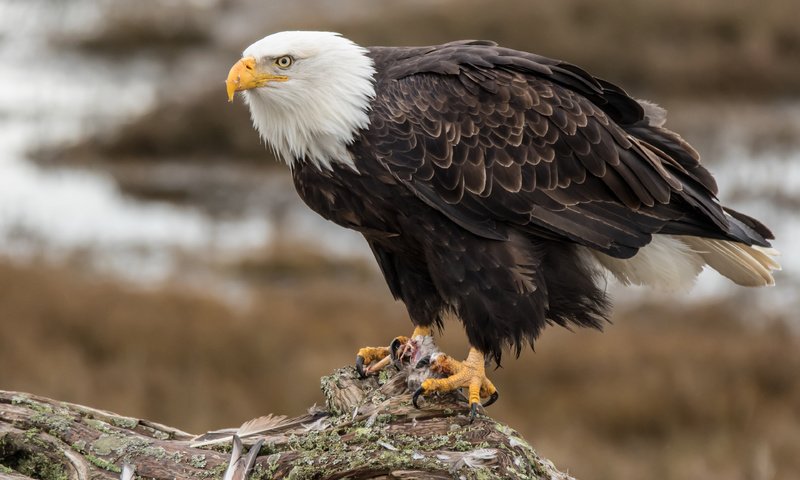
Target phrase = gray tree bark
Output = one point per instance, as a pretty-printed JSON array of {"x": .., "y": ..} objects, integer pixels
[{"x": 368, "y": 429}]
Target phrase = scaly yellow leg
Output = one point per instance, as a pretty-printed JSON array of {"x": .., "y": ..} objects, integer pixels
[
  {"x": 378, "y": 358},
  {"x": 421, "y": 332},
  {"x": 470, "y": 374}
]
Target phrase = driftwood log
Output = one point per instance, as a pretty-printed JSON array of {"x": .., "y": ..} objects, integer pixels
[{"x": 367, "y": 429}]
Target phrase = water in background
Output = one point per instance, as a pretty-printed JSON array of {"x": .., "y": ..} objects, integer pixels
[{"x": 51, "y": 95}]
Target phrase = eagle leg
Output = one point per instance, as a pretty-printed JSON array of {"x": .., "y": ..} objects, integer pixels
[
  {"x": 377, "y": 358},
  {"x": 471, "y": 373}
]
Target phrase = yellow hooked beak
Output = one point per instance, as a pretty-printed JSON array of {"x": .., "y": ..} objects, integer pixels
[{"x": 244, "y": 75}]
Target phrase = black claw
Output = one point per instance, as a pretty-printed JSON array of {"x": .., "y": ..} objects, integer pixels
[
  {"x": 423, "y": 362},
  {"x": 393, "y": 349},
  {"x": 360, "y": 366},
  {"x": 416, "y": 397},
  {"x": 493, "y": 398},
  {"x": 473, "y": 411}
]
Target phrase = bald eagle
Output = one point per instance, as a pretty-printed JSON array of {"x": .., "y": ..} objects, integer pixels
[{"x": 493, "y": 184}]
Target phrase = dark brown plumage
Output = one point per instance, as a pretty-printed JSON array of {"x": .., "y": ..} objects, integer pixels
[{"x": 484, "y": 169}]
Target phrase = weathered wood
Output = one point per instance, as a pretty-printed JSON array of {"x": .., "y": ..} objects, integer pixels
[{"x": 367, "y": 430}]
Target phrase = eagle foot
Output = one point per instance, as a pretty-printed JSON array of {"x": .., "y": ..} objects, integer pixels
[
  {"x": 401, "y": 351},
  {"x": 370, "y": 356},
  {"x": 470, "y": 374}
]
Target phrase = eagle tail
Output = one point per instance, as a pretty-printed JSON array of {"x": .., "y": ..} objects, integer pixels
[
  {"x": 746, "y": 265},
  {"x": 665, "y": 263},
  {"x": 672, "y": 262}
]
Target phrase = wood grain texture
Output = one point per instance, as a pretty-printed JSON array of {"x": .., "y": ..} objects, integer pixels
[{"x": 368, "y": 429}]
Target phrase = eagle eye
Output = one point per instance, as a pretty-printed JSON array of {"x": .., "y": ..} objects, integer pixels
[{"x": 284, "y": 61}]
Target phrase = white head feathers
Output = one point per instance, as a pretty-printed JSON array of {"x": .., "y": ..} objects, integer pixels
[{"x": 316, "y": 112}]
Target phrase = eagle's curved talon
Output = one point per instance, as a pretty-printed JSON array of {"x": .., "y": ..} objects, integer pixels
[
  {"x": 360, "y": 366},
  {"x": 393, "y": 347},
  {"x": 415, "y": 397},
  {"x": 473, "y": 411},
  {"x": 492, "y": 398}
]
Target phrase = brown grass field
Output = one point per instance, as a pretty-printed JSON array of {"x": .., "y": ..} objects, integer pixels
[{"x": 668, "y": 393}]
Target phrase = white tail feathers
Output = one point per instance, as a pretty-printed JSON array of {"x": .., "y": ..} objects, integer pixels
[
  {"x": 666, "y": 263},
  {"x": 750, "y": 266},
  {"x": 673, "y": 262}
]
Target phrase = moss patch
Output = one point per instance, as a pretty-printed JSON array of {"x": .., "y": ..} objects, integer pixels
[
  {"x": 125, "y": 422},
  {"x": 52, "y": 422},
  {"x": 107, "y": 444},
  {"x": 38, "y": 465},
  {"x": 198, "y": 461},
  {"x": 101, "y": 463}
]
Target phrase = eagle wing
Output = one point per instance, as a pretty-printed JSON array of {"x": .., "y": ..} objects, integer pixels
[{"x": 495, "y": 138}]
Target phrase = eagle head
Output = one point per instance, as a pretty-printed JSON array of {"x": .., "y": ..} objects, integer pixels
[{"x": 309, "y": 94}]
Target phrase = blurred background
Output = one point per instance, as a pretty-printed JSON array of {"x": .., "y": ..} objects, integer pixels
[{"x": 155, "y": 260}]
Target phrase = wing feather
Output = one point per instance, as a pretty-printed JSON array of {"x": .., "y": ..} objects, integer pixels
[{"x": 496, "y": 139}]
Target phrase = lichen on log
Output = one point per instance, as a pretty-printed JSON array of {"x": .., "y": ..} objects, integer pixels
[{"x": 368, "y": 429}]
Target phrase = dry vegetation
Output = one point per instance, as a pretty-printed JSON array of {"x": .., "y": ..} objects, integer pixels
[{"x": 665, "y": 393}]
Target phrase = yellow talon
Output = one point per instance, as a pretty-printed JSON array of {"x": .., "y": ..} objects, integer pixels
[{"x": 471, "y": 373}]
